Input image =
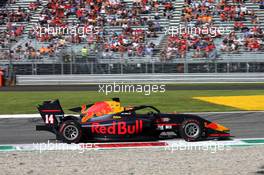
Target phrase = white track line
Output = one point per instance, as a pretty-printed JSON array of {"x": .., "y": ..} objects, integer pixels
[
  {"x": 23, "y": 116},
  {"x": 20, "y": 116}
]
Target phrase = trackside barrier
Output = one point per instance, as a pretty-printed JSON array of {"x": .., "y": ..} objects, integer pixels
[{"x": 140, "y": 78}]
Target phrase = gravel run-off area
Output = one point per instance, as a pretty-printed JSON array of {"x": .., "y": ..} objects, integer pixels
[{"x": 236, "y": 160}]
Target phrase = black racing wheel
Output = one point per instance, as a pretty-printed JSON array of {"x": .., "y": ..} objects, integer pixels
[
  {"x": 191, "y": 130},
  {"x": 70, "y": 131}
]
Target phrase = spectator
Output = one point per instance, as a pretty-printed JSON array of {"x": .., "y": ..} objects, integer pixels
[{"x": 84, "y": 52}]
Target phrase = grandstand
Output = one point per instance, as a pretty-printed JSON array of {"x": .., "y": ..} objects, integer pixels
[{"x": 130, "y": 36}]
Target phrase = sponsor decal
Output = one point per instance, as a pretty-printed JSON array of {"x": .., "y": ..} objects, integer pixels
[
  {"x": 119, "y": 128},
  {"x": 165, "y": 119},
  {"x": 98, "y": 109},
  {"x": 116, "y": 117},
  {"x": 51, "y": 110},
  {"x": 163, "y": 126},
  {"x": 126, "y": 113}
]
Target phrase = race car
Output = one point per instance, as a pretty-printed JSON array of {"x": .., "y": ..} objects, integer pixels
[{"x": 109, "y": 121}]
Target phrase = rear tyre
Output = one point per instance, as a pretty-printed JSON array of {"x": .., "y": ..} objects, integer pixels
[
  {"x": 191, "y": 130},
  {"x": 70, "y": 132}
]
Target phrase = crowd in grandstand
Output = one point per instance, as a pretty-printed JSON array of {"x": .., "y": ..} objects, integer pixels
[
  {"x": 18, "y": 15},
  {"x": 201, "y": 14},
  {"x": 91, "y": 14},
  {"x": 130, "y": 39}
]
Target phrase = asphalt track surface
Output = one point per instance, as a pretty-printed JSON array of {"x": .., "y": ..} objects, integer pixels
[
  {"x": 242, "y": 125},
  {"x": 224, "y": 86}
]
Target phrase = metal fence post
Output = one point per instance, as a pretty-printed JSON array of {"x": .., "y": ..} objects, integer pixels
[
  {"x": 36, "y": 69},
  {"x": 185, "y": 65},
  {"x": 215, "y": 66},
  {"x": 32, "y": 68},
  {"x": 247, "y": 67}
]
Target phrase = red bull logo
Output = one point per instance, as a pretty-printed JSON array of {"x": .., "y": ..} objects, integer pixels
[
  {"x": 119, "y": 128},
  {"x": 98, "y": 109}
]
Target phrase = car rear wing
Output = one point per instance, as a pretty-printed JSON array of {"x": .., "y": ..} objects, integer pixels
[{"x": 51, "y": 112}]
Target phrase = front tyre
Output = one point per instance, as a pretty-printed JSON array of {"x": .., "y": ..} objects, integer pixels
[
  {"x": 70, "y": 132},
  {"x": 191, "y": 130}
]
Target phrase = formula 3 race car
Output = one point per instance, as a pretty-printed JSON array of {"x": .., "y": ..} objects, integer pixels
[{"x": 109, "y": 121}]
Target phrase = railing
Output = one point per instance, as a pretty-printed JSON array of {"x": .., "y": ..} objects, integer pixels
[{"x": 138, "y": 68}]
